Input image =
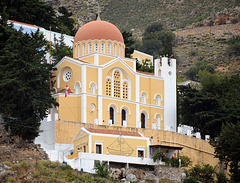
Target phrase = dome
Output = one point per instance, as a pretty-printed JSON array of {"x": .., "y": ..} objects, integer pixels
[{"x": 98, "y": 30}]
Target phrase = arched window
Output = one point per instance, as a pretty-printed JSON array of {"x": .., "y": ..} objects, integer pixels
[
  {"x": 84, "y": 49},
  {"x": 158, "y": 100},
  {"x": 144, "y": 98},
  {"x": 119, "y": 50},
  {"x": 112, "y": 114},
  {"x": 93, "y": 87},
  {"x": 117, "y": 88},
  {"x": 115, "y": 49},
  {"x": 143, "y": 120},
  {"x": 109, "y": 49},
  {"x": 158, "y": 122},
  {"x": 77, "y": 88},
  {"x": 125, "y": 90},
  {"x": 96, "y": 47},
  {"x": 109, "y": 87},
  {"x": 89, "y": 48},
  {"x": 124, "y": 118},
  {"x": 79, "y": 50},
  {"x": 102, "y": 47}
]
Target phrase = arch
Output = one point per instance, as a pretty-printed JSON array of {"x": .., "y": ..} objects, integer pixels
[
  {"x": 77, "y": 87},
  {"x": 126, "y": 107},
  {"x": 89, "y": 48},
  {"x": 92, "y": 82},
  {"x": 158, "y": 100},
  {"x": 144, "y": 111},
  {"x": 96, "y": 47},
  {"x": 112, "y": 104},
  {"x": 102, "y": 47},
  {"x": 93, "y": 88}
]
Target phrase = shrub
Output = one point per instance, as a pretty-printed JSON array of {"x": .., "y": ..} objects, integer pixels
[
  {"x": 174, "y": 162},
  {"x": 101, "y": 169},
  {"x": 190, "y": 180},
  {"x": 11, "y": 179},
  {"x": 66, "y": 167},
  {"x": 158, "y": 156},
  {"x": 24, "y": 165},
  {"x": 234, "y": 45},
  {"x": 185, "y": 161},
  {"x": 53, "y": 165},
  {"x": 221, "y": 178}
]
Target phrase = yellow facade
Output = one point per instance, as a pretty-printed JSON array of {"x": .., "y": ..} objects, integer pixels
[
  {"x": 109, "y": 143},
  {"x": 140, "y": 56}
]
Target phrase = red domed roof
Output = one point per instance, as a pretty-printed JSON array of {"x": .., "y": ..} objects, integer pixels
[{"x": 98, "y": 30}]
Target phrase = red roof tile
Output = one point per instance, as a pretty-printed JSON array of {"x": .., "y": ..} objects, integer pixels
[
  {"x": 13, "y": 21},
  {"x": 113, "y": 132},
  {"x": 148, "y": 73}
]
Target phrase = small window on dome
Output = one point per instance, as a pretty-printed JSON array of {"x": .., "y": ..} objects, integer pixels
[
  {"x": 79, "y": 50},
  {"x": 119, "y": 50},
  {"x": 96, "y": 47},
  {"x": 84, "y": 49},
  {"x": 89, "y": 48},
  {"x": 102, "y": 47},
  {"x": 109, "y": 49},
  {"x": 115, "y": 49}
]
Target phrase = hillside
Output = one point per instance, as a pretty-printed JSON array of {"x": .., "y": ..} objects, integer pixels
[
  {"x": 207, "y": 43},
  {"x": 137, "y": 14}
]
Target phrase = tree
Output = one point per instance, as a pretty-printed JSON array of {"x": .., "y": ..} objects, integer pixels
[
  {"x": 157, "y": 41},
  {"x": 24, "y": 82},
  {"x": 64, "y": 22},
  {"x": 227, "y": 148},
  {"x": 205, "y": 173},
  {"x": 234, "y": 45},
  {"x": 60, "y": 49},
  {"x": 101, "y": 169},
  {"x": 128, "y": 41}
]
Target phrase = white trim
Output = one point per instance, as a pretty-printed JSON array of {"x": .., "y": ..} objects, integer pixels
[
  {"x": 100, "y": 40},
  {"x": 137, "y": 115},
  {"x": 158, "y": 114},
  {"x": 76, "y": 83},
  {"x": 145, "y": 93},
  {"x": 92, "y": 82},
  {"x": 96, "y": 58},
  {"x": 80, "y": 137},
  {"x": 124, "y": 106},
  {"x": 140, "y": 149},
  {"x": 84, "y": 97},
  {"x": 99, "y": 99},
  {"x": 146, "y": 112},
  {"x": 112, "y": 104}
]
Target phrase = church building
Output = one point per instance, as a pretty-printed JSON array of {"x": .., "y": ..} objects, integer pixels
[{"x": 104, "y": 87}]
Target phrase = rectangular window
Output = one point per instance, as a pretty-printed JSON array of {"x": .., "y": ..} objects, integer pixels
[
  {"x": 140, "y": 153},
  {"x": 98, "y": 149},
  {"x": 84, "y": 149}
]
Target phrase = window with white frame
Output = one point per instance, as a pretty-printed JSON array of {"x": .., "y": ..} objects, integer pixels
[
  {"x": 102, "y": 47},
  {"x": 158, "y": 100},
  {"x": 115, "y": 49},
  {"x": 112, "y": 114},
  {"x": 140, "y": 152},
  {"x": 144, "y": 98},
  {"x": 96, "y": 47},
  {"x": 93, "y": 87},
  {"x": 79, "y": 50},
  {"x": 143, "y": 120},
  {"x": 158, "y": 122},
  {"x": 89, "y": 48},
  {"x": 84, "y": 49},
  {"x": 109, "y": 49},
  {"x": 124, "y": 117},
  {"x": 119, "y": 50},
  {"x": 98, "y": 147}
]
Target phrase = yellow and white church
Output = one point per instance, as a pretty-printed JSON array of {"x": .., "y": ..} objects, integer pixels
[{"x": 113, "y": 111}]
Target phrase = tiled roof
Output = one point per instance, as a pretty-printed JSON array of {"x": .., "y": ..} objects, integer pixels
[
  {"x": 13, "y": 21},
  {"x": 113, "y": 132}
]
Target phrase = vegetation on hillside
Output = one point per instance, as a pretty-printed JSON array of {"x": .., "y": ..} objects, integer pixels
[
  {"x": 137, "y": 15},
  {"x": 47, "y": 171},
  {"x": 38, "y": 13}
]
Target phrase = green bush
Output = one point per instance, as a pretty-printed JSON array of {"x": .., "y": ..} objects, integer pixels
[
  {"x": 66, "y": 167},
  {"x": 53, "y": 164},
  {"x": 190, "y": 180},
  {"x": 221, "y": 178},
  {"x": 159, "y": 155},
  {"x": 234, "y": 45},
  {"x": 101, "y": 169},
  {"x": 185, "y": 161}
]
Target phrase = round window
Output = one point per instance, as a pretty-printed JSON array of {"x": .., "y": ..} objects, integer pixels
[{"x": 67, "y": 75}]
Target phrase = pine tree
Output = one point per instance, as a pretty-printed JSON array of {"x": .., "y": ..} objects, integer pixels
[{"x": 24, "y": 82}]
